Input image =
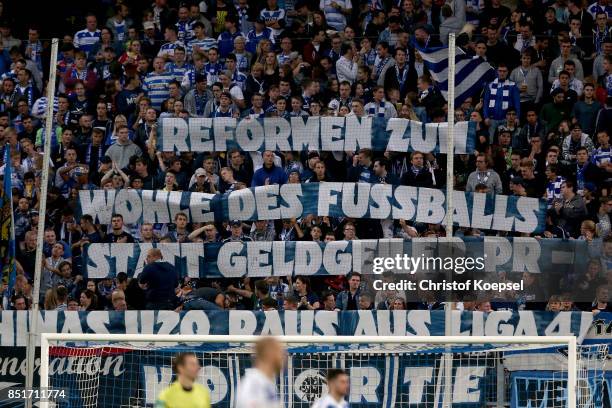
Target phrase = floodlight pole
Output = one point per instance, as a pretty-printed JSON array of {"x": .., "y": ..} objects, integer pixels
[
  {"x": 33, "y": 329},
  {"x": 450, "y": 183}
]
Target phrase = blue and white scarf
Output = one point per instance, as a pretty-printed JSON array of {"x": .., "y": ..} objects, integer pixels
[
  {"x": 381, "y": 65},
  {"x": 602, "y": 156},
  {"x": 505, "y": 89},
  {"x": 599, "y": 37},
  {"x": 200, "y": 103},
  {"x": 185, "y": 30},
  {"x": 335, "y": 56},
  {"x": 243, "y": 16},
  {"x": 378, "y": 110},
  {"x": 417, "y": 170},
  {"x": 213, "y": 70},
  {"x": 425, "y": 93},
  {"x": 238, "y": 79},
  {"x": 88, "y": 154},
  {"x": 580, "y": 177},
  {"x": 254, "y": 115},
  {"x": 121, "y": 29},
  {"x": 35, "y": 53},
  {"x": 79, "y": 75},
  {"x": 220, "y": 114},
  {"x": 28, "y": 93},
  {"x": 192, "y": 73},
  {"x": 307, "y": 100},
  {"x": 369, "y": 58},
  {"x": 242, "y": 63},
  {"x": 553, "y": 190},
  {"x": 401, "y": 78},
  {"x": 39, "y": 109}
]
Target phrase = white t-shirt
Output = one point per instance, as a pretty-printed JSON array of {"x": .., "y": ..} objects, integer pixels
[
  {"x": 329, "y": 402},
  {"x": 257, "y": 391}
]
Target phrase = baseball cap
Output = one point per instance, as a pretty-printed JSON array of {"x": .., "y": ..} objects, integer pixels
[
  {"x": 200, "y": 172},
  {"x": 100, "y": 129},
  {"x": 235, "y": 223},
  {"x": 260, "y": 20},
  {"x": 148, "y": 25}
]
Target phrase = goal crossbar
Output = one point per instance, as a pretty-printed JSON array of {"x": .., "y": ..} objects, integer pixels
[{"x": 567, "y": 341}]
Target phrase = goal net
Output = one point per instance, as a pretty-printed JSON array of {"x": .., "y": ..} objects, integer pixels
[{"x": 130, "y": 370}]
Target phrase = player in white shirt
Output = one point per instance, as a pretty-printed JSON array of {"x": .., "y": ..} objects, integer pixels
[
  {"x": 257, "y": 388},
  {"x": 337, "y": 389}
]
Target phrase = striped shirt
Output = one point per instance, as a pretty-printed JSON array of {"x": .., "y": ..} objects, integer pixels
[
  {"x": 333, "y": 16},
  {"x": 253, "y": 38},
  {"x": 156, "y": 88},
  {"x": 177, "y": 72},
  {"x": 273, "y": 15},
  {"x": 553, "y": 190},
  {"x": 167, "y": 49},
  {"x": 85, "y": 40},
  {"x": 204, "y": 44}
]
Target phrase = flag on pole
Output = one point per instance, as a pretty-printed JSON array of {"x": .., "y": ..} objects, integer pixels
[
  {"x": 472, "y": 73},
  {"x": 7, "y": 227}
]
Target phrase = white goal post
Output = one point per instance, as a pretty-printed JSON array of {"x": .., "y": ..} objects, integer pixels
[{"x": 480, "y": 348}]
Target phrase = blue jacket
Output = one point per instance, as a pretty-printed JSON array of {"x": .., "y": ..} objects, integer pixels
[
  {"x": 276, "y": 175},
  {"x": 162, "y": 279}
]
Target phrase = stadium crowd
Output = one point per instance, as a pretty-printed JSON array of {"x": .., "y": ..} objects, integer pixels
[{"x": 543, "y": 130}]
